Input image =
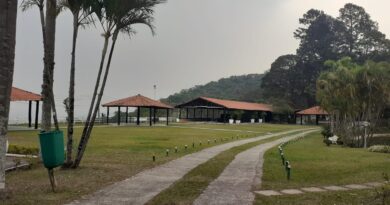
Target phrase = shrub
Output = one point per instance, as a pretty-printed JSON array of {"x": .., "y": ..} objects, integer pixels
[
  {"x": 379, "y": 148},
  {"x": 326, "y": 132},
  {"x": 17, "y": 149},
  {"x": 327, "y": 142}
]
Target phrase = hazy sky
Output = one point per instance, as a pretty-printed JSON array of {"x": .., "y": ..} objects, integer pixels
[{"x": 197, "y": 41}]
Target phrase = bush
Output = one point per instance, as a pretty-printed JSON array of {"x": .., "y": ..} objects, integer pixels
[
  {"x": 16, "y": 149},
  {"x": 379, "y": 148},
  {"x": 327, "y": 142},
  {"x": 326, "y": 132}
]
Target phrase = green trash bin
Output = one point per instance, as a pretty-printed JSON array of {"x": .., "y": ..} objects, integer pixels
[{"x": 52, "y": 148}]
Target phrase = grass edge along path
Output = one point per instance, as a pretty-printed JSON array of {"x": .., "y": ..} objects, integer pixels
[{"x": 191, "y": 186}]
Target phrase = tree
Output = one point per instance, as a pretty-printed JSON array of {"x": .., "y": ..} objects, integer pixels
[
  {"x": 115, "y": 17},
  {"x": 81, "y": 11},
  {"x": 277, "y": 81},
  {"x": 353, "y": 94},
  {"x": 361, "y": 37},
  {"x": 8, "y": 14},
  {"x": 48, "y": 104}
]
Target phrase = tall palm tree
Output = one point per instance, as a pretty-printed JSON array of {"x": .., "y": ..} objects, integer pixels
[
  {"x": 8, "y": 13},
  {"x": 48, "y": 104},
  {"x": 81, "y": 11},
  {"x": 115, "y": 16}
]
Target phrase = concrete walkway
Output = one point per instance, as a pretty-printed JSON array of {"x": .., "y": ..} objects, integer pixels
[
  {"x": 234, "y": 185},
  {"x": 142, "y": 187},
  {"x": 319, "y": 189}
]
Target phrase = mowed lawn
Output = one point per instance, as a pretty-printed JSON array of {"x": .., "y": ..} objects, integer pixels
[
  {"x": 315, "y": 164},
  {"x": 113, "y": 154}
]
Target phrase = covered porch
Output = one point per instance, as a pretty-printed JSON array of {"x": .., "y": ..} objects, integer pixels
[
  {"x": 137, "y": 102},
  {"x": 19, "y": 95}
]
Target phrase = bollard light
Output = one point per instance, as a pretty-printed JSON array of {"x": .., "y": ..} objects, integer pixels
[
  {"x": 288, "y": 170},
  {"x": 176, "y": 149},
  {"x": 208, "y": 141},
  {"x": 200, "y": 143},
  {"x": 215, "y": 140},
  {"x": 167, "y": 152},
  {"x": 193, "y": 144},
  {"x": 185, "y": 147},
  {"x": 154, "y": 158}
]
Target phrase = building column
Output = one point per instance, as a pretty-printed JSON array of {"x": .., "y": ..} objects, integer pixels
[
  {"x": 150, "y": 116},
  {"x": 180, "y": 113},
  {"x": 317, "y": 120},
  {"x": 187, "y": 112},
  {"x": 167, "y": 116},
  {"x": 108, "y": 114},
  {"x": 29, "y": 113},
  {"x": 154, "y": 115},
  {"x": 301, "y": 119},
  {"x": 36, "y": 113},
  {"x": 138, "y": 115},
  {"x": 119, "y": 115},
  {"x": 207, "y": 114},
  {"x": 127, "y": 115},
  {"x": 201, "y": 114}
]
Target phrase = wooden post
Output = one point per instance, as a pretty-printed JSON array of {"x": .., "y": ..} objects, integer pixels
[
  {"x": 194, "y": 116},
  {"x": 36, "y": 114},
  {"x": 213, "y": 118},
  {"x": 201, "y": 114},
  {"x": 119, "y": 115},
  {"x": 179, "y": 113},
  {"x": 150, "y": 116},
  {"x": 52, "y": 179},
  {"x": 127, "y": 115},
  {"x": 29, "y": 113},
  {"x": 187, "y": 113},
  {"x": 138, "y": 114},
  {"x": 108, "y": 115},
  {"x": 317, "y": 120},
  {"x": 207, "y": 114},
  {"x": 167, "y": 116}
]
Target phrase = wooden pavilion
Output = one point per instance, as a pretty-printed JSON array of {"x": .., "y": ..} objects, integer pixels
[
  {"x": 316, "y": 111},
  {"x": 138, "y": 102},
  {"x": 218, "y": 109},
  {"x": 26, "y": 96}
]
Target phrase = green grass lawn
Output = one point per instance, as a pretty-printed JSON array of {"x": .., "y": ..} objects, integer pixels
[
  {"x": 315, "y": 164},
  {"x": 113, "y": 154}
]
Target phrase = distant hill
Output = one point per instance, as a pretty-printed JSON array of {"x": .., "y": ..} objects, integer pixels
[{"x": 244, "y": 87}]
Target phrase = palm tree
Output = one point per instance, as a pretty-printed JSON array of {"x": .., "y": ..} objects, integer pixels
[
  {"x": 48, "y": 104},
  {"x": 81, "y": 11},
  {"x": 115, "y": 16},
  {"x": 8, "y": 13}
]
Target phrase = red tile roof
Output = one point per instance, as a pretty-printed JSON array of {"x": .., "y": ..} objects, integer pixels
[
  {"x": 239, "y": 105},
  {"x": 23, "y": 95},
  {"x": 317, "y": 110},
  {"x": 137, "y": 101}
]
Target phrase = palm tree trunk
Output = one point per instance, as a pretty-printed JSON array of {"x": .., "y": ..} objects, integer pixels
[
  {"x": 69, "y": 146},
  {"x": 83, "y": 146},
  {"x": 83, "y": 139},
  {"x": 43, "y": 27},
  {"x": 47, "y": 85},
  {"x": 8, "y": 14}
]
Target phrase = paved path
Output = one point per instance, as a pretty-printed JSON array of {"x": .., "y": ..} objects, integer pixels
[
  {"x": 319, "y": 189},
  {"x": 142, "y": 187},
  {"x": 234, "y": 185}
]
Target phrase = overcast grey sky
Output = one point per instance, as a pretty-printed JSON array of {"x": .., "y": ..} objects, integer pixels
[{"x": 197, "y": 41}]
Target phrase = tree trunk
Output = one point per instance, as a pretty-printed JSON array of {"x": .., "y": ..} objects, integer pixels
[
  {"x": 69, "y": 146},
  {"x": 48, "y": 71},
  {"x": 83, "y": 139},
  {"x": 83, "y": 145},
  {"x": 8, "y": 14}
]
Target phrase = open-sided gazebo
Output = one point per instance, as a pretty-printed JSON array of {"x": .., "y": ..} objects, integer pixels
[
  {"x": 26, "y": 96},
  {"x": 138, "y": 102},
  {"x": 316, "y": 111},
  {"x": 218, "y": 108}
]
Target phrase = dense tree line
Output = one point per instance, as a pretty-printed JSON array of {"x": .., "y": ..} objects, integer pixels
[
  {"x": 354, "y": 95},
  {"x": 245, "y": 87},
  {"x": 292, "y": 78}
]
